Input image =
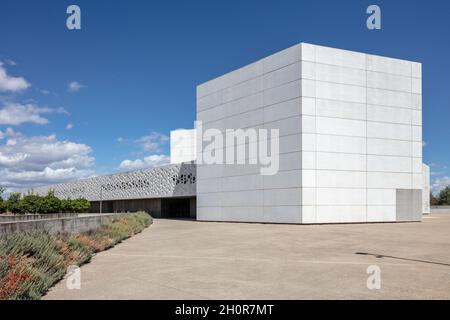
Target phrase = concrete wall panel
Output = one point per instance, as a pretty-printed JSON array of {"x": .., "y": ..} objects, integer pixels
[
  {"x": 341, "y": 92},
  {"x": 384, "y": 213},
  {"x": 309, "y": 214},
  {"x": 345, "y": 127},
  {"x": 340, "y": 214},
  {"x": 330, "y": 143},
  {"x": 389, "y": 131},
  {"x": 309, "y": 196},
  {"x": 389, "y": 164},
  {"x": 389, "y": 114},
  {"x": 338, "y": 74},
  {"x": 389, "y": 98},
  {"x": 282, "y": 214},
  {"x": 283, "y": 197},
  {"x": 340, "y": 109},
  {"x": 351, "y": 136},
  {"x": 389, "y": 147},
  {"x": 340, "y": 57},
  {"x": 389, "y": 180},
  {"x": 341, "y": 196},
  {"x": 381, "y": 197},
  {"x": 341, "y": 161},
  {"x": 381, "y": 80},
  {"x": 286, "y": 109},
  {"x": 340, "y": 179},
  {"x": 389, "y": 65}
]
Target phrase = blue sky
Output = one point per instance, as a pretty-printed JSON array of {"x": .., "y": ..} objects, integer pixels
[{"x": 134, "y": 65}]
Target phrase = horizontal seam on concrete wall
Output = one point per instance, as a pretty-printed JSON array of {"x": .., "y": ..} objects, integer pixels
[
  {"x": 365, "y": 69},
  {"x": 315, "y": 96},
  {"x": 312, "y": 115},
  {"x": 309, "y": 169},
  {"x": 300, "y": 97},
  {"x": 322, "y": 151},
  {"x": 350, "y": 136},
  {"x": 247, "y": 80},
  {"x": 253, "y": 94},
  {"x": 349, "y": 101},
  {"x": 364, "y": 86},
  {"x": 373, "y": 104},
  {"x": 310, "y": 187},
  {"x": 299, "y": 206},
  {"x": 252, "y": 110},
  {"x": 332, "y": 134},
  {"x": 341, "y": 135},
  {"x": 299, "y": 61}
]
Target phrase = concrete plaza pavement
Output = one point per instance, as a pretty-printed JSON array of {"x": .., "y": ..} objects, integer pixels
[{"x": 181, "y": 259}]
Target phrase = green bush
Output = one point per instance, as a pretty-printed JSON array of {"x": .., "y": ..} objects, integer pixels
[
  {"x": 66, "y": 205},
  {"x": 50, "y": 203},
  {"x": 2, "y": 203},
  {"x": 80, "y": 205},
  {"x": 2, "y": 206},
  {"x": 444, "y": 196},
  {"x": 13, "y": 204},
  {"x": 32, "y": 204},
  {"x": 31, "y": 262},
  {"x": 36, "y": 204}
]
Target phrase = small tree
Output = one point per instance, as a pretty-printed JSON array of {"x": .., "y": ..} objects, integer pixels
[
  {"x": 433, "y": 200},
  {"x": 66, "y": 205},
  {"x": 81, "y": 205},
  {"x": 32, "y": 203},
  {"x": 444, "y": 196},
  {"x": 50, "y": 203},
  {"x": 2, "y": 203},
  {"x": 13, "y": 204}
]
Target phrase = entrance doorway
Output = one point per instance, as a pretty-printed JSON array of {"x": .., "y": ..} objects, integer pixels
[{"x": 175, "y": 208}]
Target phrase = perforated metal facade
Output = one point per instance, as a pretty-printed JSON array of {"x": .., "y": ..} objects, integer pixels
[{"x": 175, "y": 180}]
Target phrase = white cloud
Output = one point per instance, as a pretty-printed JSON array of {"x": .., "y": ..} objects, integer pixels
[
  {"x": 60, "y": 110},
  {"x": 152, "y": 142},
  {"x": 24, "y": 180},
  {"x": 120, "y": 139},
  {"x": 16, "y": 114},
  {"x": 69, "y": 126},
  {"x": 39, "y": 160},
  {"x": 75, "y": 86},
  {"x": 9, "y": 83},
  {"x": 10, "y": 62},
  {"x": 439, "y": 183},
  {"x": 147, "y": 162}
]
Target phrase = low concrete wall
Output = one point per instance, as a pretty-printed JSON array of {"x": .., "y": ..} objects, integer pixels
[
  {"x": 57, "y": 225},
  {"x": 440, "y": 209},
  {"x": 28, "y": 217}
]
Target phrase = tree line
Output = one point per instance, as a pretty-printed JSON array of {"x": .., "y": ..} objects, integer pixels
[
  {"x": 442, "y": 199},
  {"x": 35, "y": 204}
]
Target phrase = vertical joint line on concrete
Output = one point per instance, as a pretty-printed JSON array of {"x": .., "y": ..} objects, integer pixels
[
  {"x": 412, "y": 131},
  {"x": 367, "y": 157},
  {"x": 315, "y": 135}
]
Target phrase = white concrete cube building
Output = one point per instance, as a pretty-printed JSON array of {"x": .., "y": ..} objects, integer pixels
[
  {"x": 350, "y": 128},
  {"x": 182, "y": 145},
  {"x": 426, "y": 206}
]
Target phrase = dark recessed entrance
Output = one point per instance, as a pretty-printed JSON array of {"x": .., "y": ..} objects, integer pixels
[
  {"x": 157, "y": 207},
  {"x": 176, "y": 208}
]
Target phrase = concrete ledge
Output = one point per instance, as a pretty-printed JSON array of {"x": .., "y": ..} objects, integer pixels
[
  {"x": 29, "y": 217},
  {"x": 57, "y": 225},
  {"x": 440, "y": 209}
]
